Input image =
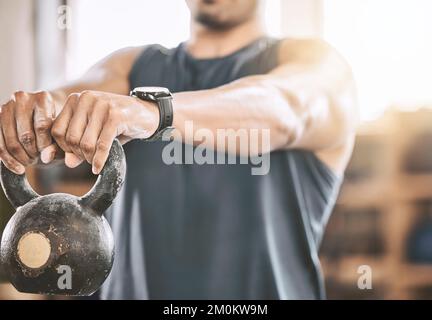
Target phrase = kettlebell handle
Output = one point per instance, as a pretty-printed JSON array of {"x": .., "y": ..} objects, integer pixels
[{"x": 109, "y": 182}]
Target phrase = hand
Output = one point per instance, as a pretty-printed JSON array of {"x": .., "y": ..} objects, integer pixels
[
  {"x": 90, "y": 121},
  {"x": 25, "y": 122}
]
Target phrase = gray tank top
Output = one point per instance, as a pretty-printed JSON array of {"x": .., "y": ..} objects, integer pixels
[{"x": 216, "y": 231}]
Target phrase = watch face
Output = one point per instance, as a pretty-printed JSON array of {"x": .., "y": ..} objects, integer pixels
[{"x": 152, "y": 93}]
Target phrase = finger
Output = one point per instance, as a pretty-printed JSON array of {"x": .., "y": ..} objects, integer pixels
[
  {"x": 50, "y": 153},
  {"x": 72, "y": 161},
  {"x": 10, "y": 162},
  {"x": 77, "y": 126},
  {"x": 9, "y": 130},
  {"x": 24, "y": 126},
  {"x": 43, "y": 120},
  {"x": 103, "y": 146},
  {"x": 91, "y": 134},
  {"x": 60, "y": 125}
]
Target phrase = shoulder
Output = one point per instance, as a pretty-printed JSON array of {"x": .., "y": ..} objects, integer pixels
[
  {"x": 119, "y": 62},
  {"x": 124, "y": 54}
]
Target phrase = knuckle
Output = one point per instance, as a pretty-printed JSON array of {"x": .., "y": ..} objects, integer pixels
[
  {"x": 7, "y": 106},
  {"x": 102, "y": 146},
  {"x": 27, "y": 138},
  {"x": 57, "y": 133},
  {"x": 19, "y": 95},
  {"x": 86, "y": 94},
  {"x": 42, "y": 96},
  {"x": 42, "y": 126},
  {"x": 87, "y": 147},
  {"x": 73, "y": 140},
  {"x": 73, "y": 96},
  {"x": 13, "y": 147}
]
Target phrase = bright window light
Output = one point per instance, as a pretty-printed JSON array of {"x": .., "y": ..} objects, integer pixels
[
  {"x": 273, "y": 17},
  {"x": 389, "y": 45},
  {"x": 100, "y": 27}
]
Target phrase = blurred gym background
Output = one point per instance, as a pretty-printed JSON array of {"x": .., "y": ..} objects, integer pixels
[{"x": 383, "y": 218}]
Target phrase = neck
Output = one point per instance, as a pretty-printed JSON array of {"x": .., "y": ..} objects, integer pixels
[{"x": 205, "y": 43}]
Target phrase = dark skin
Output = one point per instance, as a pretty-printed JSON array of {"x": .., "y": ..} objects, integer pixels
[{"x": 307, "y": 102}]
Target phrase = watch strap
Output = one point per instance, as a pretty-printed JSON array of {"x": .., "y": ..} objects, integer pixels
[{"x": 165, "y": 119}]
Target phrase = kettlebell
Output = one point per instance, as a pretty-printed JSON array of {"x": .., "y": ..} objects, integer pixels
[{"x": 59, "y": 243}]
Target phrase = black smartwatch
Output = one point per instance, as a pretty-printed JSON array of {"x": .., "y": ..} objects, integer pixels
[{"x": 163, "y": 98}]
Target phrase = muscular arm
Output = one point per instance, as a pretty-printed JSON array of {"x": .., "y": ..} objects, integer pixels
[{"x": 307, "y": 102}]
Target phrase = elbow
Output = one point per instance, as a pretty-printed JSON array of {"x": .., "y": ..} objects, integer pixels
[
  {"x": 344, "y": 111},
  {"x": 291, "y": 125}
]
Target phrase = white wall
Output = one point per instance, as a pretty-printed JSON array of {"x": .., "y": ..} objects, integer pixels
[
  {"x": 102, "y": 26},
  {"x": 50, "y": 43},
  {"x": 17, "y": 47},
  {"x": 302, "y": 18}
]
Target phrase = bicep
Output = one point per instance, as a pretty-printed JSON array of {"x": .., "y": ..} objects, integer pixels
[{"x": 319, "y": 88}]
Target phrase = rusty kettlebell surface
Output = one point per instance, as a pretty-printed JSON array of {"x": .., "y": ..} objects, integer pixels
[{"x": 60, "y": 243}]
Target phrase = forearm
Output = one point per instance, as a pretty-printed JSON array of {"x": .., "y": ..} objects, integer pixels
[
  {"x": 302, "y": 104},
  {"x": 249, "y": 105}
]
